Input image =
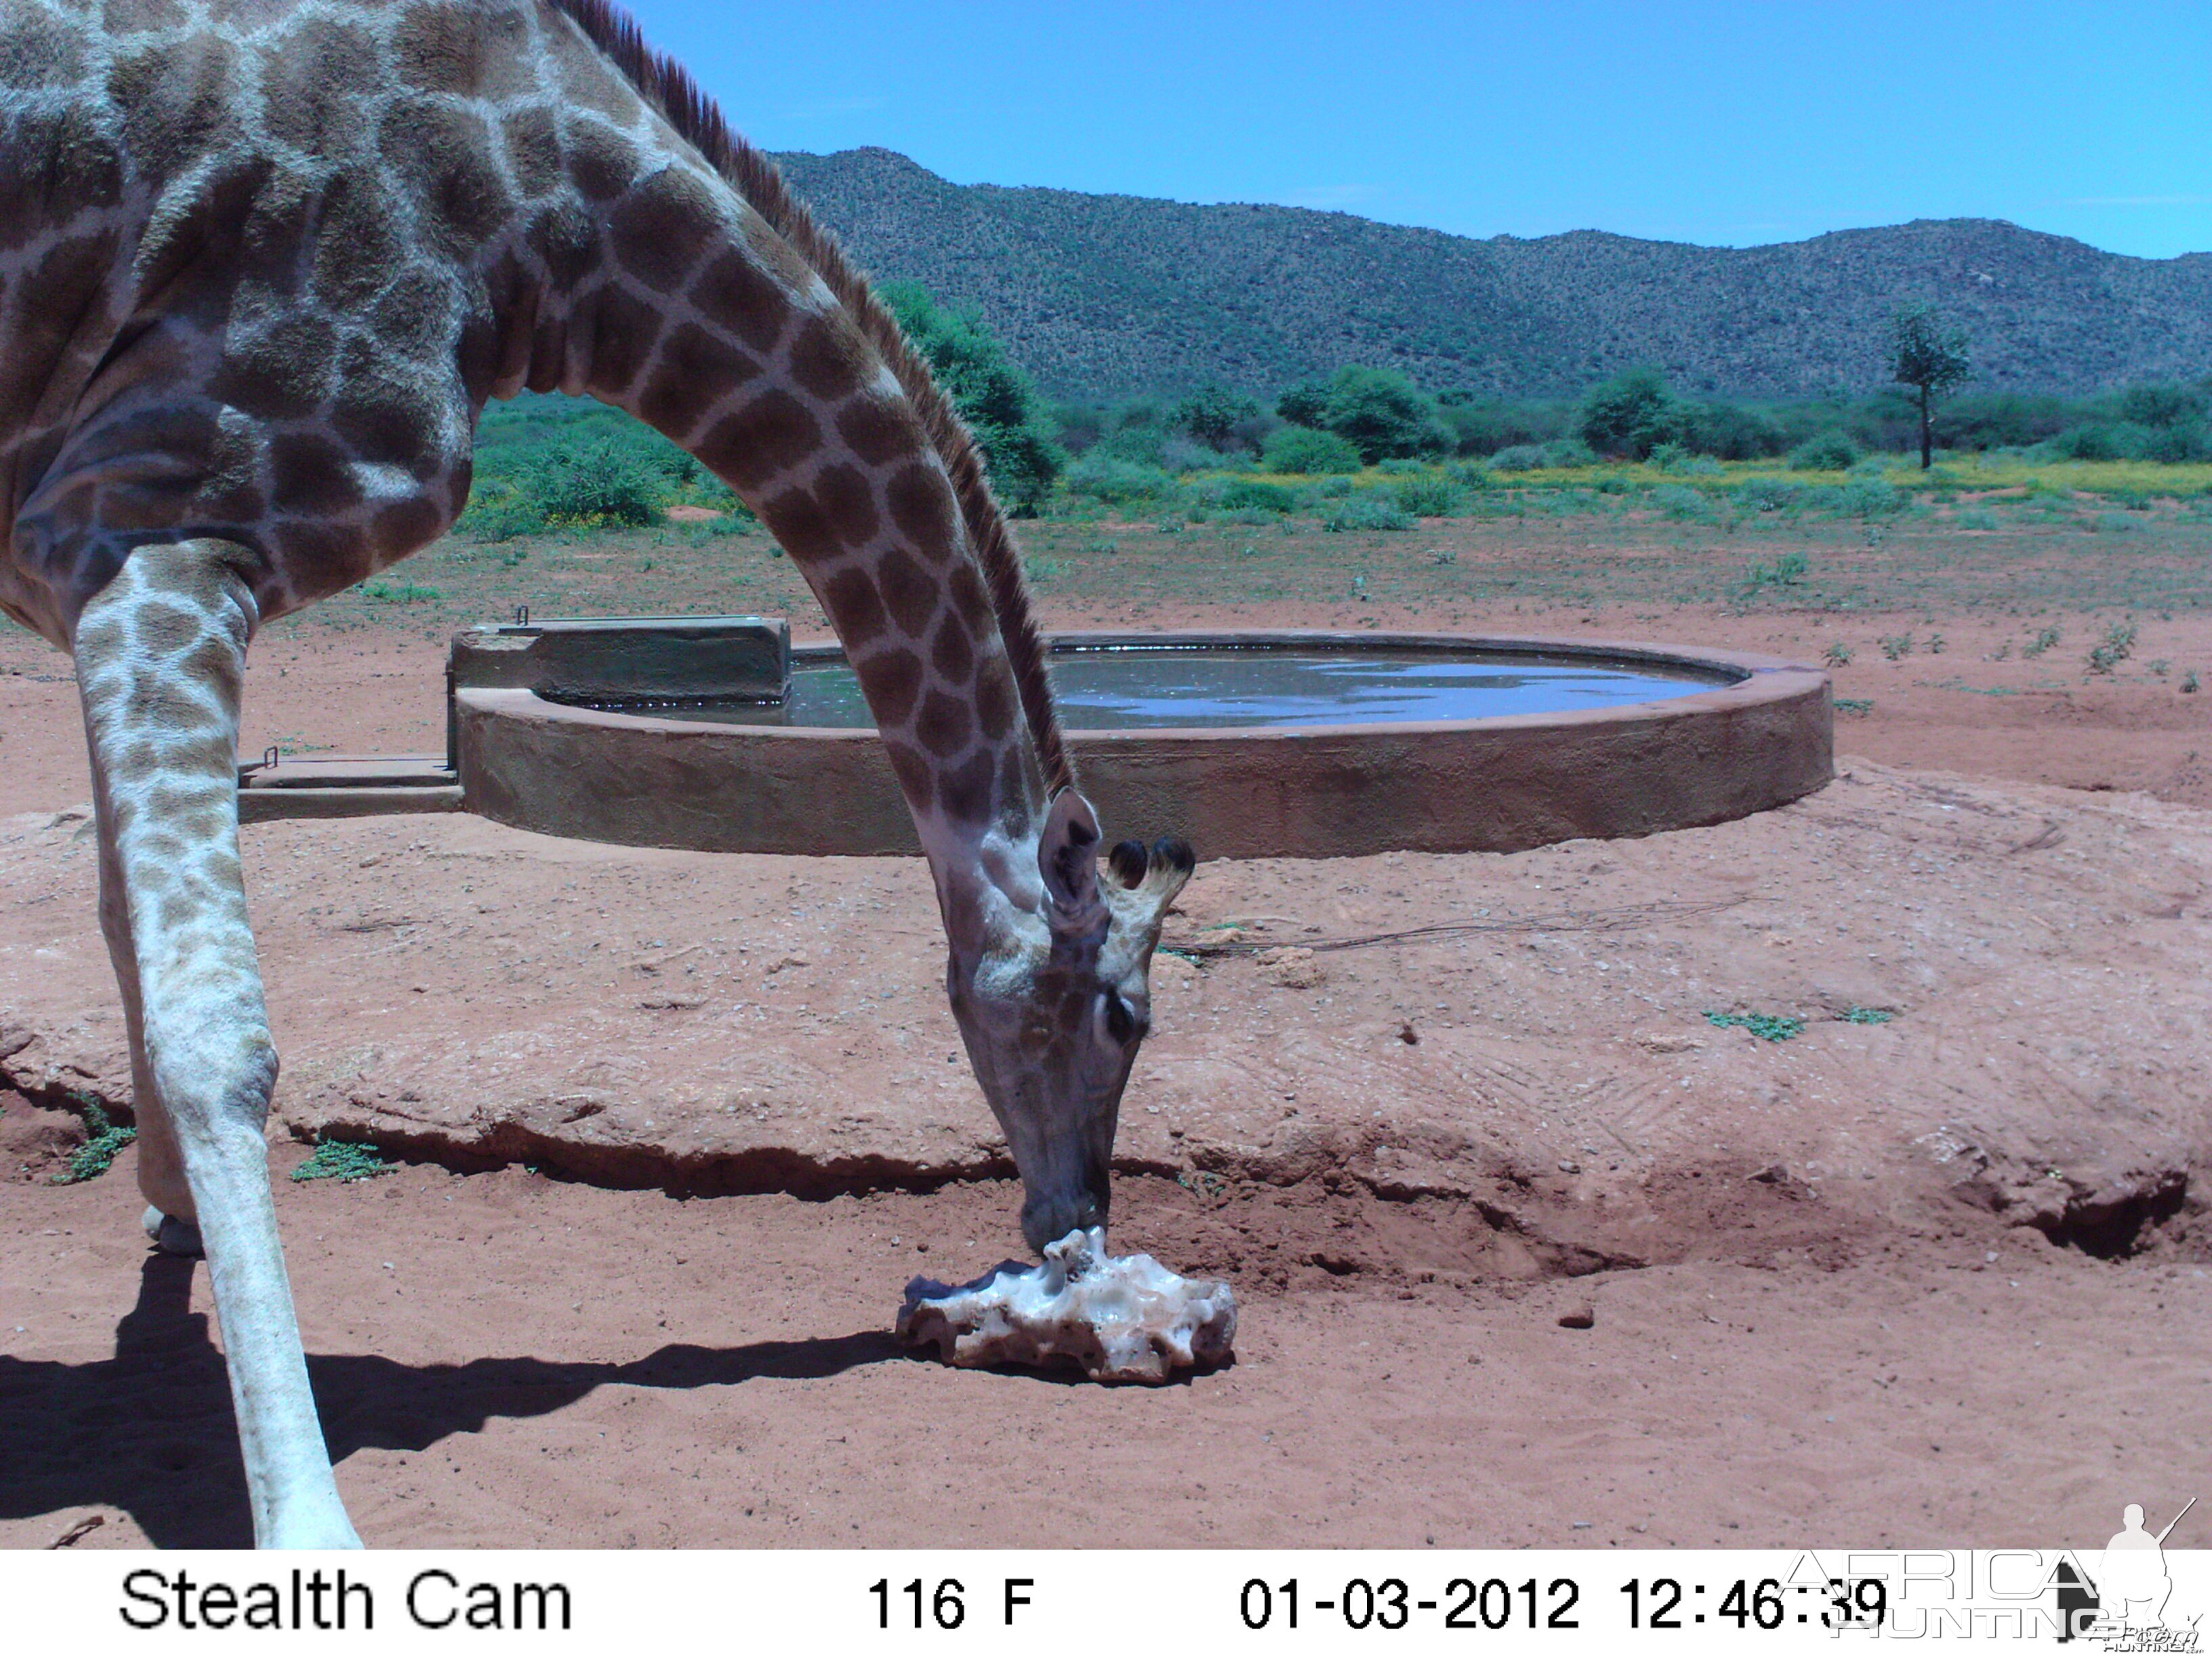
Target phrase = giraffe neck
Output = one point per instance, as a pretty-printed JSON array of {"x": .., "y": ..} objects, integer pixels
[{"x": 698, "y": 315}]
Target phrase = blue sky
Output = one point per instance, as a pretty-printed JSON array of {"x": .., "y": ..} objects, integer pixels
[{"x": 1757, "y": 121}]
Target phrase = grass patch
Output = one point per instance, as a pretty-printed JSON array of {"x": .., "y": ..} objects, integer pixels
[
  {"x": 383, "y": 592},
  {"x": 1868, "y": 1017}
]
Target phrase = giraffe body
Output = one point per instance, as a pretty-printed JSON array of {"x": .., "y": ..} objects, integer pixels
[{"x": 262, "y": 263}]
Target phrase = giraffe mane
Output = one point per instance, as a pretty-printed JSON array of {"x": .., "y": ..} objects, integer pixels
[{"x": 669, "y": 88}]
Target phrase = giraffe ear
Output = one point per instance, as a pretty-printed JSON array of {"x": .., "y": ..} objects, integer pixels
[{"x": 1067, "y": 853}]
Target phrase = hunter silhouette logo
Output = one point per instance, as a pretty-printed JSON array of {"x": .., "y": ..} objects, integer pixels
[{"x": 2123, "y": 1606}]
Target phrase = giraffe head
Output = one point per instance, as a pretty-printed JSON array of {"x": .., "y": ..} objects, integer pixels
[{"x": 1052, "y": 999}]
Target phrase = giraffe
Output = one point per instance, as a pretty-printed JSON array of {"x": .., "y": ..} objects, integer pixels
[{"x": 262, "y": 264}]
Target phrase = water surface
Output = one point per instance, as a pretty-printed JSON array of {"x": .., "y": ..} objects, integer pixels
[{"x": 1123, "y": 687}]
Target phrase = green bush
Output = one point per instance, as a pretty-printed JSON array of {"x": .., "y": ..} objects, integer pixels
[
  {"x": 2096, "y": 441},
  {"x": 1869, "y": 498},
  {"x": 1678, "y": 459},
  {"x": 1730, "y": 431},
  {"x": 1679, "y": 501},
  {"x": 1428, "y": 495},
  {"x": 1993, "y": 420},
  {"x": 1974, "y": 518},
  {"x": 1382, "y": 414},
  {"x": 588, "y": 485},
  {"x": 1569, "y": 451},
  {"x": 1826, "y": 451},
  {"x": 500, "y": 518},
  {"x": 1256, "y": 495},
  {"x": 1773, "y": 1028},
  {"x": 1521, "y": 457},
  {"x": 1109, "y": 479},
  {"x": 1304, "y": 404},
  {"x": 1630, "y": 415},
  {"x": 1768, "y": 495},
  {"x": 2160, "y": 404},
  {"x": 1217, "y": 416},
  {"x": 1139, "y": 442},
  {"x": 2179, "y": 443},
  {"x": 1302, "y": 449},
  {"x": 1367, "y": 510}
]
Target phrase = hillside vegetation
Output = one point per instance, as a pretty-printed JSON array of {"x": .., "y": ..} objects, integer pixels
[{"x": 1109, "y": 296}]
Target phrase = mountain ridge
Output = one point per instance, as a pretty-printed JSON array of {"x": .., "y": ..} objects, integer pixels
[{"x": 1099, "y": 295}]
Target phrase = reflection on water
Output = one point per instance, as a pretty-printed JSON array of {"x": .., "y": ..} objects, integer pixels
[{"x": 1107, "y": 690}]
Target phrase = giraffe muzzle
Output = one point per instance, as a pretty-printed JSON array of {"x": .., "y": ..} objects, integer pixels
[{"x": 1051, "y": 1214}]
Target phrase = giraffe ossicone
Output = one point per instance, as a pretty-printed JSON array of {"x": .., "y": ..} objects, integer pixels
[{"x": 261, "y": 263}]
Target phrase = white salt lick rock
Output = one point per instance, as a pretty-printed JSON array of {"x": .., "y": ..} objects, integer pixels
[{"x": 1121, "y": 1318}]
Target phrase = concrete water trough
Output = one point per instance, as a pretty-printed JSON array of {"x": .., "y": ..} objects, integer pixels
[{"x": 714, "y": 733}]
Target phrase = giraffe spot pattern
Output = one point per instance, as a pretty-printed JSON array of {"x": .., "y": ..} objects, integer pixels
[
  {"x": 764, "y": 438},
  {"x": 490, "y": 205},
  {"x": 892, "y": 679},
  {"x": 952, "y": 653}
]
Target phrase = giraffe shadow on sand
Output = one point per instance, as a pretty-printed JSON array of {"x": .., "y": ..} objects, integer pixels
[{"x": 150, "y": 1433}]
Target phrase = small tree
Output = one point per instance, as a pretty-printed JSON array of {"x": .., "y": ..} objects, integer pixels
[
  {"x": 1630, "y": 415},
  {"x": 1383, "y": 415},
  {"x": 1305, "y": 404},
  {"x": 1930, "y": 354},
  {"x": 992, "y": 396},
  {"x": 1213, "y": 415}
]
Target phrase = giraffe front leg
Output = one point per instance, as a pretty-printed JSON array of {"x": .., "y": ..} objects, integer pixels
[
  {"x": 169, "y": 1218},
  {"x": 160, "y": 657}
]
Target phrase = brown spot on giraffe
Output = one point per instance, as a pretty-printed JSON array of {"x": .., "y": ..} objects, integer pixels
[
  {"x": 734, "y": 293},
  {"x": 909, "y": 592},
  {"x": 994, "y": 700},
  {"x": 847, "y": 504},
  {"x": 663, "y": 228},
  {"x": 966, "y": 790},
  {"x": 626, "y": 328},
  {"x": 766, "y": 436},
  {"x": 917, "y": 776},
  {"x": 849, "y": 597},
  {"x": 280, "y": 372},
  {"x": 828, "y": 359},
  {"x": 943, "y": 726},
  {"x": 802, "y": 528},
  {"x": 878, "y": 430},
  {"x": 891, "y": 678},
  {"x": 474, "y": 52},
  {"x": 695, "y": 372},
  {"x": 952, "y": 652},
  {"x": 601, "y": 160},
  {"x": 921, "y": 507},
  {"x": 532, "y": 139}
]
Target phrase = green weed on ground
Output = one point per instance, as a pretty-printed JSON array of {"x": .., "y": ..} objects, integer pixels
[
  {"x": 1773, "y": 1028},
  {"x": 342, "y": 1160},
  {"x": 105, "y": 1139}
]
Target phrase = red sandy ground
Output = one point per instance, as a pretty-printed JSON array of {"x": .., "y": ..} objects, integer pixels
[{"x": 1814, "y": 1320}]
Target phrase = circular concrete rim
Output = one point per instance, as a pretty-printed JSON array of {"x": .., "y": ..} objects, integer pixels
[{"x": 1498, "y": 784}]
